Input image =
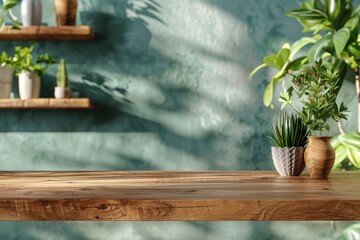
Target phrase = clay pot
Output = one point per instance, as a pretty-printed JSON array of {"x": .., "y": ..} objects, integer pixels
[
  {"x": 65, "y": 11},
  {"x": 288, "y": 161},
  {"x": 319, "y": 157}
]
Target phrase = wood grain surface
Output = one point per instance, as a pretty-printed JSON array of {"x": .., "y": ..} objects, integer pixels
[
  {"x": 46, "y": 103},
  {"x": 205, "y": 196},
  {"x": 34, "y": 33}
]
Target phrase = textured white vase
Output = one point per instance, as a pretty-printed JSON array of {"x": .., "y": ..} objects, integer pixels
[
  {"x": 31, "y": 12},
  {"x": 6, "y": 77},
  {"x": 288, "y": 161},
  {"x": 29, "y": 85},
  {"x": 61, "y": 92}
]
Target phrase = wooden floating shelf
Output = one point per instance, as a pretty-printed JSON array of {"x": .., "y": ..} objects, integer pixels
[
  {"x": 177, "y": 196},
  {"x": 35, "y": 33},
  {"x": 46, "y": 103}
]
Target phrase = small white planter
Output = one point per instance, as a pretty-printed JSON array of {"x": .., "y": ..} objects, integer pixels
[
  {"x": 29, "y": 85},
  {"x": 31, "y": 12},
  {"x": 6, "y": 78},
  {"x": 288, "y": 161},
  {"x": 61, "y": 92}
]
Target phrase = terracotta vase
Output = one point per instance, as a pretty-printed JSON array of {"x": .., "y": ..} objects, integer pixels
[
  {"x": 288, "y": 161},
  {"x": 65, "y": 11},
  {"x": 319, "y": 157}
]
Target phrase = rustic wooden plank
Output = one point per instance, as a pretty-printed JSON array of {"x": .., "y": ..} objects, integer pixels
[
  {"x": 195, "y": 196},
  {"x": 34, "y": 33},
  {"x": 46, "y": 103}
]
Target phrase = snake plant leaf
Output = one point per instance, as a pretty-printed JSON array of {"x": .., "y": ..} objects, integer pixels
[
  {"x": 333, "y": 8},
  {"x": 8, "y": 4},
  {"x": 324, "y": 43},
  {"x": 340, "y": 39}
]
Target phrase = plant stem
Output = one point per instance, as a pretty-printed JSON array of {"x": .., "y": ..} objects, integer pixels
[
  {"x": 341, "y": 128},
  {"x": 357, "y": 84}
]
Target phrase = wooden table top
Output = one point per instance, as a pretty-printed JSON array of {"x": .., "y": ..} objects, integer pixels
[{"x": 180, "y": 196}]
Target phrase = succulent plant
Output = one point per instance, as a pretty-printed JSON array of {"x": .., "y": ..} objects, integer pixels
[
  {"x": 61, "y": 77},
  {"x": 288, "y": 131}
]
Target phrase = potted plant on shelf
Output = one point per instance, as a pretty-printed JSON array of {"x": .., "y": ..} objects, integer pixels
[
  {"x": 6, "y": 75},
  {"x": 65, "y": 11},
  {"x": 316, "y": 89},
  {"x": 62, "y": 90},
  {"x": 288, "y": 137},
  {"x": 30, "y": 72}
]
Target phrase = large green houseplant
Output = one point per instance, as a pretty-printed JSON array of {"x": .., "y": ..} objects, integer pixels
[{"x": 334, "y": 25}]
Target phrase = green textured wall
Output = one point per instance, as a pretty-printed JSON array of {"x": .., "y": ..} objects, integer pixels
[{"x": 169, "y": 79}]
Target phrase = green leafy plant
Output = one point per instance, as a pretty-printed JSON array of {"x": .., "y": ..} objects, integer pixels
[
  {"x": 5, "y": 59},
  {"x": 335, "y": 38},
  {"x": 316, "y": 90},
  {"x": 350, "y": 233},
  {"x": 23, "y": 61},
  {"x": 61, "y": 77},
  {"x": 288, "y": 131},
  {"x": 6, "y": 13}
]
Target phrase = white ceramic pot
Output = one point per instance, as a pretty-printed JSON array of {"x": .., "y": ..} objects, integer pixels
[
  {"x": 31, "y": 12},
  {"x": 6, "y": 77},
  {"x": 61, "y": 92},
  {"x": 288, "y": 161},
  {"x": 29, "y": 85}
]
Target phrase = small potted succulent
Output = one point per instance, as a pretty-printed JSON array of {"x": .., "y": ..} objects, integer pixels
[
  {"x": 30, "y": 72},
  {"x": 317, "y": 89},
  {"x": 288, "y": 137},
  {"x": 6, "y": 75},
  {"x": 62, "y": 90}
]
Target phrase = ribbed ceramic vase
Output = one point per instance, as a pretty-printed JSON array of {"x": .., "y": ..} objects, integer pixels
[
  {"x": 65, "y": 11},
  {"x": 288, "y": 161},
  {"x": 319, "y": 157},
  {"x": 31, "y": 12}
]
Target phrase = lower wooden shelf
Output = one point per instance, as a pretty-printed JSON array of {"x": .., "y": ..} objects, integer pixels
[
  {"x": 46, "y": 103},
  {"x": 177, "y": 196}
]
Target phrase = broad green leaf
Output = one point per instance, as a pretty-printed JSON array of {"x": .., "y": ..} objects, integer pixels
[
  {"x": 297, "y": 63},
  {"x": 341, "y": 38},
  {"x": 354, "y": 156},
  {"x": 257, "y": 69},
  {"x": 10, "y": 4},
  {"x": 340, "y": 151},
  {"x": 298, "y": 45},
  {"x": 271, "y": 61},
  {"x": 315, "y": 50},
  {"x": 269, "y": 91},
  {"x": 352, "y": 23},
  {"x": 319, "y": 4},
  {"x": 354, "y": 50},
  {"x": 333, "y": 8},
  {"x": 351, "y": 233},
  {"x": 351, "y": 140}
]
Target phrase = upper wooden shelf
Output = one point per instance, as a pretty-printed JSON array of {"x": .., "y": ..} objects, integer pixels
[
  {"x": 193, "y": 196},
  {"x": 46, "y": 103},
  {"x": 35, "y": 33}
]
